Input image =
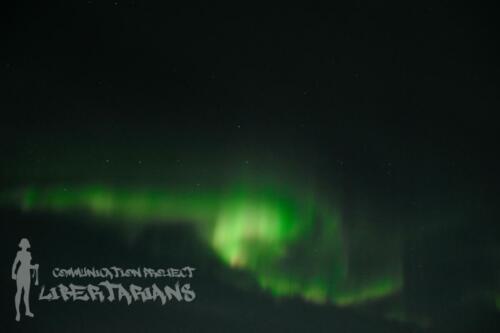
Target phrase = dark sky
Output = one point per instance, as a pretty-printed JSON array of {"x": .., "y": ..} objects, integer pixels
[
  {"x": 414, "y": 85},
  {"x": 389, "y": 96},
  {"x": 394, "y": 103}
]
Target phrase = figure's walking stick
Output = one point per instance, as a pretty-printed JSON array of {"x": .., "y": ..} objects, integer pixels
[{"x": 35, "y": 273}]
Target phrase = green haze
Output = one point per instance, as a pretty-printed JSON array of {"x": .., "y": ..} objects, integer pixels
[{"x": 292, "y": 243}]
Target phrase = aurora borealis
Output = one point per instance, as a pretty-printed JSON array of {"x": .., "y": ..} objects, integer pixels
[
  {"x": 323, "y": 169},
  {"x": 251, "y": 230}
]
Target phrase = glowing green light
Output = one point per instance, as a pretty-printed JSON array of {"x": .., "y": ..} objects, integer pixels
[
  {"x": 291, "y": 243},
  {"x": 249, "y": 231},
  {"x": 369, "y": 291}
]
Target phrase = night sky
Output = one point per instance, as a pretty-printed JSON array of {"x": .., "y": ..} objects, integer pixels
[{"x": 324, "y": 169}]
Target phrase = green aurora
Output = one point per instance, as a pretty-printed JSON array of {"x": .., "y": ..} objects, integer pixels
[{"x": 293, "y": 245}]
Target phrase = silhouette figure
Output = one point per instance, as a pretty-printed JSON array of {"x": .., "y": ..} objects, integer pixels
[{"x": 23, "y": 278}]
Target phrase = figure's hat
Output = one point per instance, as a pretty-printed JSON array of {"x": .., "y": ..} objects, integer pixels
[{"x": 24, "y": 243}]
